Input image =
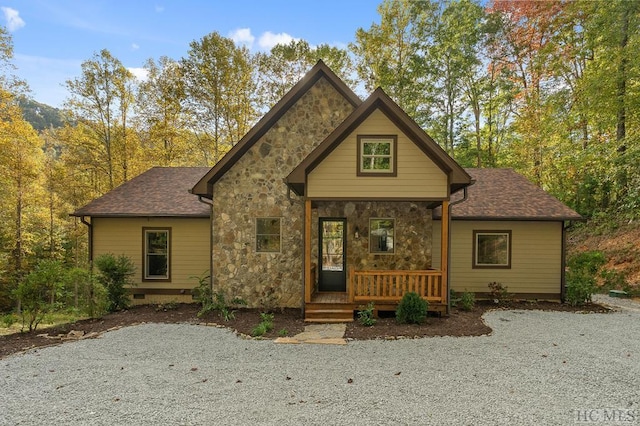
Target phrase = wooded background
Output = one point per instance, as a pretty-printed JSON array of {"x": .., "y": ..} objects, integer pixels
[{"x": 549, "y": 88}]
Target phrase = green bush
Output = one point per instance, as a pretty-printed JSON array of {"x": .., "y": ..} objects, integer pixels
[
  {"x": 265, "y": 325},
  {"x": 9, "y": 319},
  {"x": 580, "y": 287},
  {"x": 115, "y": 275},
  {"x": 366, "y": 315},
  {"x": 214, "y": 301},
  {"x": 38, "y": 292},
  {"x": 581, "y": 276},
  {"x": 467, "y": 301},
  {"x": 412, "y": 309}
]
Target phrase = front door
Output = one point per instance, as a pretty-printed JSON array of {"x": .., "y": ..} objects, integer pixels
[{"x": 333, "y": 271}]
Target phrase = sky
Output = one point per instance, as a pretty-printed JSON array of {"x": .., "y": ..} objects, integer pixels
[{"x": 51, "y": 38}]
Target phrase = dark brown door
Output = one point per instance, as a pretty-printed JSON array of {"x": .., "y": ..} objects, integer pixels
[{"x": 333, "y": 271}]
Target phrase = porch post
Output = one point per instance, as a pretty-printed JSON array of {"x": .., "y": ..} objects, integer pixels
[
  {"x": 444, "y": 251},
  {"x": 308, "y": 285}
]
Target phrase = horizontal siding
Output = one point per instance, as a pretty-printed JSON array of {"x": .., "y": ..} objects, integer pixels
[
  {"x": 535, "y": 262},
  {"x": 336, "y": 176},
  {"x": 190, "y": 249}
]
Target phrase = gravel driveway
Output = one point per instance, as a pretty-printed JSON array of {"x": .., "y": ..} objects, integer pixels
[{"x": 536, "y": 368}]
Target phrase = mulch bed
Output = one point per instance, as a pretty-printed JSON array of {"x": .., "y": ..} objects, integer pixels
[{"x": 288, "y": 321}]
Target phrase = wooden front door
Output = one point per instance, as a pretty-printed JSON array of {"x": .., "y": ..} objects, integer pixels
[{"x": 332, "y": 252}]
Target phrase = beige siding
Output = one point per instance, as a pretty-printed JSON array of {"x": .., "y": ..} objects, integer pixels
[
  {"x": 418, "y": 176},
  {"x": 190, "y": 250},
  {"x": 535, "y": 258}
]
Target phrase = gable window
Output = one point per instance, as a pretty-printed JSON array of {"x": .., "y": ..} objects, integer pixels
[
  {"x": 268, "y": 234},
  {"x": 382, "y": 236},
  {"x": 492, "y": 249},
  {"x": 157, "y": 242},
  {"x": 377, "y": 155}
]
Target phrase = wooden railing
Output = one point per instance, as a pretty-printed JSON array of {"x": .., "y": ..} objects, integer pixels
[{"x": 390, "y": 286}]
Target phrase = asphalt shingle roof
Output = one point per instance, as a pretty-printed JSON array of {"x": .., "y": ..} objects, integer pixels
[
  {"x": 160, "y": 191},
  {"x": 503, "y": 194}
]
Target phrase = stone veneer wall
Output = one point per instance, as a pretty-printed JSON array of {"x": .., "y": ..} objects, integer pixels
[
  {"x": 254, "y": 187},
  {"x": 413, "y": 233}
]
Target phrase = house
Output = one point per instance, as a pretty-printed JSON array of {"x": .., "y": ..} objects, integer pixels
[{"x": 330, "y": 202}]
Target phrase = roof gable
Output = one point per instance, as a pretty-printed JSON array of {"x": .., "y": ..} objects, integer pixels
[
  {"x": 160, "y": 191},
  {"x": 503, "y": 194},
  {"x": 204, "y": 187},
  {"x": 379, "y": 100}
]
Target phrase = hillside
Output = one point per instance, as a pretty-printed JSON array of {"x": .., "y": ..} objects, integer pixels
[
  {"x": 41, "y": 116},
  {"x": 621, "y": 247}
]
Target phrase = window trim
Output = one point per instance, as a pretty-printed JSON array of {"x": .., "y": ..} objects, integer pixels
[
  {"x": 145, "y": 277},
  {"x": 474, "y": 254},
  {"x": 255, "y": 233},
  {"x": 393, "y": 140},
  {"x": 393, "y": 251}
]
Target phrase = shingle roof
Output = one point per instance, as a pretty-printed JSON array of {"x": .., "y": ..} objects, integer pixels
[
  {"x": 160, "y": 191},
  {"x": 502, "y": 194}
]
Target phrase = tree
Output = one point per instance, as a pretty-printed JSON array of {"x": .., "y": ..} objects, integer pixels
[
  {"x": 161, "y": 116},
  {"x": 100, "y": 101},
  {"x": 219, "y": 89}
]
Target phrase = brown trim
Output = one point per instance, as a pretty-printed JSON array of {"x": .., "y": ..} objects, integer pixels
[
  {"x": 145, "y": 215},
  {"x": 490, "y": 231},
  {"x": 160, "y": 291},
  {"x": 378, "y": 100},
  {"x": 205, "y": 186},
  {"x": 144, "y": 253},
  {"x": 399, "y": 200},
  {"x": 394, "y": 156},
  {"x": 509, "y": 219}
]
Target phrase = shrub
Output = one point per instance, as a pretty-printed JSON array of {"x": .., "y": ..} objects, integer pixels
[
  {"x": 214, "y": 301},
  {"x": 9, "y": 319},
  {"x": 115, "y": 274},
  {"x": 366, "y": 315},
  {"x": 467, "y": 301},
  {"x": 265, "y": 325},
  {"x": 498, "y": 292},
  {"x": 38, "y": 292},
  {"x": 580, "y": 287},
  {"x": 412, "y": 309},
  {"x": 581, "y": 276}
]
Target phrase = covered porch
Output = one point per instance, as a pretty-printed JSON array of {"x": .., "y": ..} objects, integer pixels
[{"x": 363, "y": 284}]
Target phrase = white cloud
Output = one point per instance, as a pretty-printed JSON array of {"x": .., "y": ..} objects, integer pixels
[
  {"x": 139, "y": 73},
  {"x": 134, "y": 46},
  {"x": 12, "y": 16},
  {"x": 242, "y": 36},
  {"x": 269, "y": 39}
]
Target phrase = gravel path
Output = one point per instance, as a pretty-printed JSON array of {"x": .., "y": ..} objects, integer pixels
[{"x": 536, "y": 368}]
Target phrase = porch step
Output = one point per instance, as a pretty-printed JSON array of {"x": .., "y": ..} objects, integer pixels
[{"x": 328, "y": 315}]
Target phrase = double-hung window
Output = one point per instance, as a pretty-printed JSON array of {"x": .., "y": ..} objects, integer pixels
[
  {"x": 268, "y": 234},
  {"x": 492, "y": 249},
  {"x": 377, "y": 155},
  {"x": 156, "y": 254}
]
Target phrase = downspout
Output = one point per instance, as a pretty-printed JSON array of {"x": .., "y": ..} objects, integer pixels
[
  {"x": 90, "y": 234},
  {"x": 563, "y": 260},
  {"x": 462, "y": 200},
  {"x": 210, "y": 204}
]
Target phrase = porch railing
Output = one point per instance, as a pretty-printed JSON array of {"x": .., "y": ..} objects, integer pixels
[{"x": 390, "y": 286}]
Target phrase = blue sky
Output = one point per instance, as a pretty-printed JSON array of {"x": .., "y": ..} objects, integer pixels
[{"x": 51, "y": 38}]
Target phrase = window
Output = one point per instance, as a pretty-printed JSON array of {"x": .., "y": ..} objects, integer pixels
[
  {"x": 377, "y": 155},
  {"x": 268, "y": 234},
  {"x": 381, "y": 235},
  {"x": 492, "y": 249},
  {"x": 156, "y": 254}
]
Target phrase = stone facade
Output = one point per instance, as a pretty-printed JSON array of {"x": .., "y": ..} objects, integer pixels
[
  {"x": 413, "y": 233},
  {"x": 254, "y": 187}
]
